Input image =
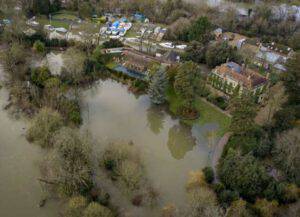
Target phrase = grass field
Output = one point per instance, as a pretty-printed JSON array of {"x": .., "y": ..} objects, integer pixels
[
  {"x": 67, "y": 15},
  {"x": 45, "y": 21},
  {"x": 208, "y": 113}
]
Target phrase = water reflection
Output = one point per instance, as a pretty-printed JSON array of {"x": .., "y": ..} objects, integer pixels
[
  {"x": 180, "y": 141},
  {"x": 206, "y": 136},
  {"x": 155, "y": 118}
]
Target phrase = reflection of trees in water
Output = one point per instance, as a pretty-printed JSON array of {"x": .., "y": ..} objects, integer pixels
[
  {"x": 180, "y": 141},
  {"x": 155, "y": 118}
]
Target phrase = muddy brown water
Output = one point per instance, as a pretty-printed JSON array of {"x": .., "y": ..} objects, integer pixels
[
  {"x": 20, "y": 192},
  {"x": 169, "y": 150}
]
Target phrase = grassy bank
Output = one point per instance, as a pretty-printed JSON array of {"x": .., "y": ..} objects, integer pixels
[{"x": 208, "y": 113}]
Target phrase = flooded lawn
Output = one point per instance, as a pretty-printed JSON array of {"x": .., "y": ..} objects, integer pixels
[{"x": 169, "y": 150}]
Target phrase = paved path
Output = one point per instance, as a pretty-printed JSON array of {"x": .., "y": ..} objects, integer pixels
[{"x": 218, "y": 152}]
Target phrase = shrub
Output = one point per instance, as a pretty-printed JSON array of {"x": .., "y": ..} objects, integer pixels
[
  {"x": 75, "y": 206},
  {"x": 71, "y": 163},
  {"x": 97, "y": 210},
  {"x": 209, "y": 174},
  {"x": 265, "y": 208},
  {"x": 226, "y": 197},
  {"x": 112, "y": 43},
  {"x": 39, "y": 46},
  {"x": 44, "y": 126},
  {"x": 40, "y": 75}
]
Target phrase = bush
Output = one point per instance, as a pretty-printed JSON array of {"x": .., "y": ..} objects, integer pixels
[
  {"x": 39, "y": 46},
  {"x": 112, "y": 43},
  {"x": 226, "y": 197},
  {"x": 44, "y": 126},
  {"x": 40, "y": 75},
  {"x": 97, "y": 210},
  {"x": 75, "y": 206},
  {"x": 209, "y": 174},
  {"x": 71, "y": 162}
]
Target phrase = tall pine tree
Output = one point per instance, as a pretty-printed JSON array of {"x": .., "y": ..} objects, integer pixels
[{"x": 157, "y": 87}]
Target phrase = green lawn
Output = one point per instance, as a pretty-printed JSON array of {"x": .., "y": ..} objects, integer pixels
[
  {"x": 208, "y": 113},
  {"x": 65, "y": 15},
  {"x": 44, "y": 21}
]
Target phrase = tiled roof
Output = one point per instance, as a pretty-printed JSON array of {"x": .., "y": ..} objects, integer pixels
[{"x": 246, "y": 77}]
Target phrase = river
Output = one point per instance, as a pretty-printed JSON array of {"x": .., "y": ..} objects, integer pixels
[{"x": 169, "y": 150}]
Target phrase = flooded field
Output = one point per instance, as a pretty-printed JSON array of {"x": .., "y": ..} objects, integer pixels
[
  {"x": 169, "y": 150},
  {"x": 19, "y": 170}
]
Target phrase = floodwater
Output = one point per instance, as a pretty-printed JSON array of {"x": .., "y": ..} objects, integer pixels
[
  {"x": 20, "y": 192},
  {"x": 169, "y": 150}
]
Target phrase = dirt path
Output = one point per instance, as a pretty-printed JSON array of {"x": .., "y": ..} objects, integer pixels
[{"x": 218, "y": 151}]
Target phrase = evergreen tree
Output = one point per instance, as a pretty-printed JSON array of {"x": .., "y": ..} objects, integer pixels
[
  {"x": 157, "y": 87},
  {"x": 188, "y": 83},
  {"x": 243, "y": 114}
]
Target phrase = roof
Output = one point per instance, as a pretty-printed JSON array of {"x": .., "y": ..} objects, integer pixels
[
  {"x": 244, "y": 76},
  {"x": 271, "y": 57},
  {"x": 172, "y": 56}
]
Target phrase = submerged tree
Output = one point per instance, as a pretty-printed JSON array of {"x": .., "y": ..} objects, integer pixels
[
  {"x": 69, "y": 164},
  {"x": 45, "y": 124},
  {"x": 157, "y": 87}
]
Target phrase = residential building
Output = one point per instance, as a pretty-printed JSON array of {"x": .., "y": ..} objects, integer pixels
[
  {"x": 271, "y": 57},
  {"x": 230, "y": 77}
]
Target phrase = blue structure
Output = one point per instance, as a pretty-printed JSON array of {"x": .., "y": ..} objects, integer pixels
[
  {"x": 130, "y": 73},
  {"x": 139, "y": 16}
]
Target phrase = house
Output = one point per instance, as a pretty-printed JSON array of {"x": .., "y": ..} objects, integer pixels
[
  {"x": 234, "y": 39},
  {"x": 230, "y": 76},
  {"x": 271, "y": 57}
]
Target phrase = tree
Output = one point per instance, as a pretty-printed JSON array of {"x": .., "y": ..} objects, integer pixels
[
  {"x": 286, "y": 154},
  {"x": 243, "y": 114},
  {"x": 55, "y": 6},
  {"x": 39, "y": 46},
  {"x": 112, "y": 43},
  {"x": 40, "y": 7},
  {"x": 157, "y": 87},
  {"x": 291, "y": 82},
  {"x": 97, "y": 210},
  {"x": 45, "y": 124},
  {"x": 265, "y": 208},
  {"x": 40, "y": 75},
  {"x": 238, "y": 209},
  {"x": 202, "y": 202},
  {"x": 85, "y": 9},
  {"x": 14, "y": 60},
  {"x": 209, "y": 174},
  {"x": 219, "y": 53},
  {"x": 75, "y": 206},
  {"x": 200, "y": 30},
  {"x": 188, "y": 83},
  {"x": 70, "y": 163},
  {"x": 243, "y": 174},
  {"x": 195, "y": 52},
  {"x": 74, "y": 62}
]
